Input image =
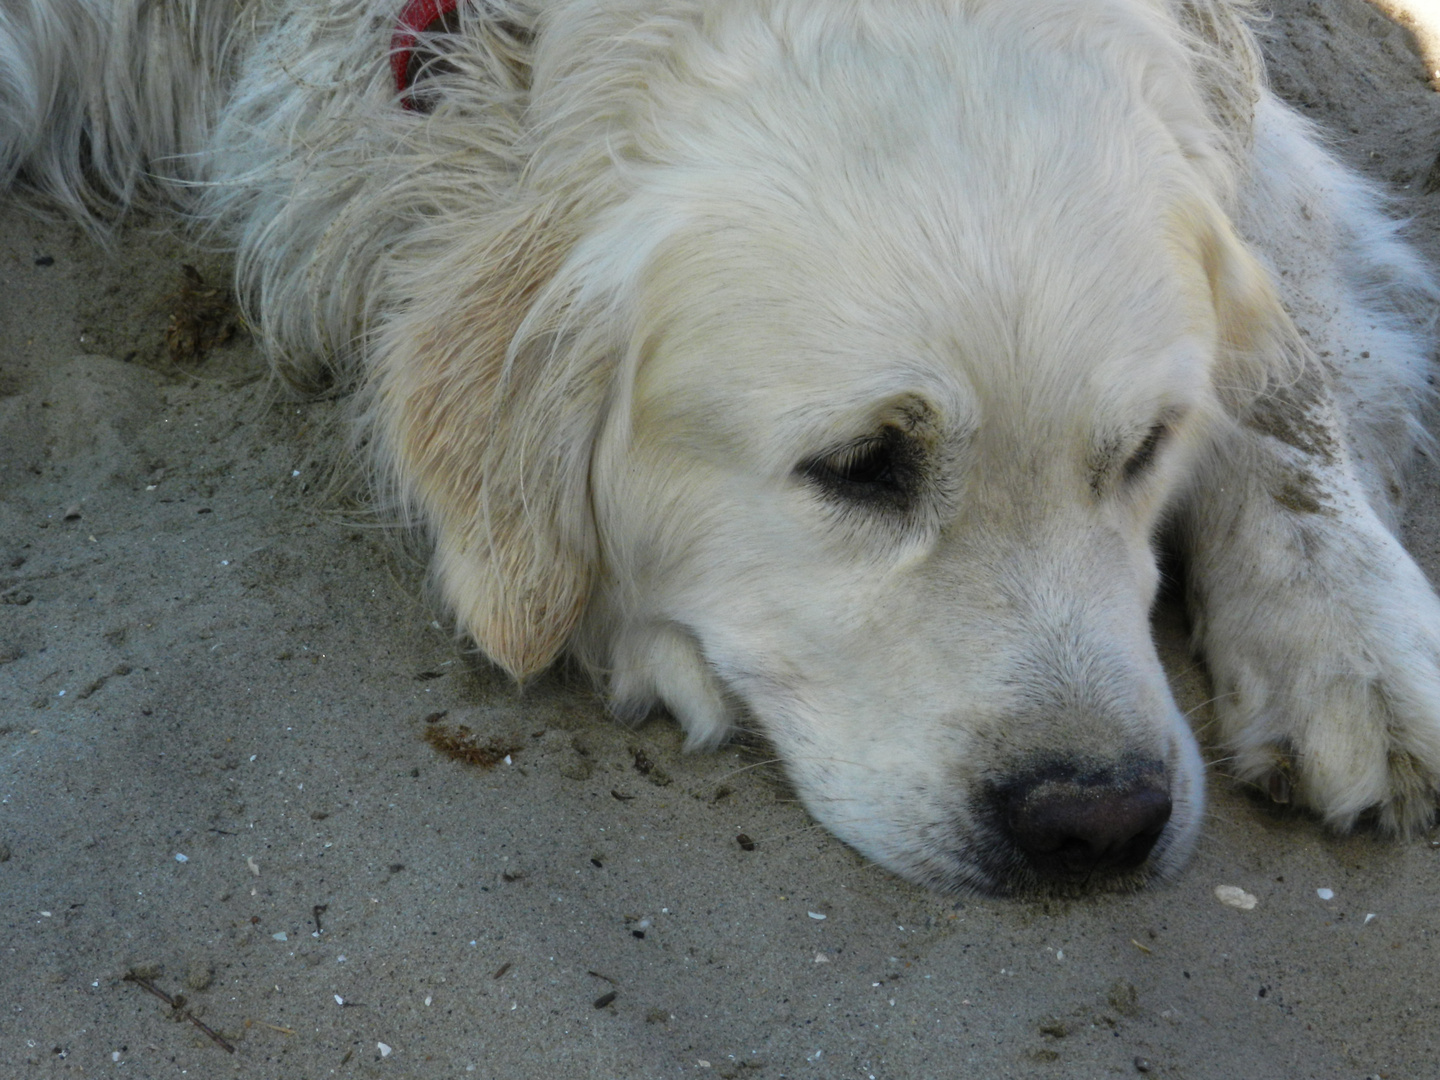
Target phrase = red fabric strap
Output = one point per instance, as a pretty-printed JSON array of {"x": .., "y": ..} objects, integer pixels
[{"x": 416, "y": 17}]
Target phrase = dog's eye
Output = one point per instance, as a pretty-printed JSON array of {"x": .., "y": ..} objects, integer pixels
[
  {"x": 881, "y": 468},
  {"x": 1144, "y": 455}
]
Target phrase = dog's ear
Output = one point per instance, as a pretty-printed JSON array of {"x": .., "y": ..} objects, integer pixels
[
  {"x": 1258, "y": 342},
  {"x": 1227, "y": 63},
  {"x": 486, "y": 395}
]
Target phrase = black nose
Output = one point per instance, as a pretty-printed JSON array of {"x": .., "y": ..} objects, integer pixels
[{"x": 1070, "y": 826}]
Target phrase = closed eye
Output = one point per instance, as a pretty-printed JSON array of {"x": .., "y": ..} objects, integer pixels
[
  {"x": 884, "y": 469},
  {"x": 1144, "y": 456}
]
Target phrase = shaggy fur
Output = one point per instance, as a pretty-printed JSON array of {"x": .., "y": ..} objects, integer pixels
[{"x": 831, "y": 366}]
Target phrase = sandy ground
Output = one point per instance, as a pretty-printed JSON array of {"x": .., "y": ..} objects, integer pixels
[{"x": 213, "y": 691}]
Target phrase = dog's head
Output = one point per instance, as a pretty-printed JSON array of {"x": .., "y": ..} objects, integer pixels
[{"x": 841, "y": 393}]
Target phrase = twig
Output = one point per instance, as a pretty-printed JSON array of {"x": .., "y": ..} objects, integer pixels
[
  {"x": 147, "y": 985},
  {"x": 219, "y": 1039}
]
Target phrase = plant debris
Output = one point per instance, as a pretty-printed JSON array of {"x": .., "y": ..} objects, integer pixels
[
  {"x": 201, "y": 317},
  {"x": 177, "y": 1005},
  {"x": 461, "y": 744},
  {"x": 648, "y": 769}
]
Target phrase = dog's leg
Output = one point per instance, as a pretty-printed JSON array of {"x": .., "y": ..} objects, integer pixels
[{"x": 1322, "y": 634}]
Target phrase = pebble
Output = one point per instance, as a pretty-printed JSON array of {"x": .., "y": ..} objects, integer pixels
[{"x": 1236, "y": 897}]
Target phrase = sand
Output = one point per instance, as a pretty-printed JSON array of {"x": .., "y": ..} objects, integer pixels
[{"x": 215, "y": 686}]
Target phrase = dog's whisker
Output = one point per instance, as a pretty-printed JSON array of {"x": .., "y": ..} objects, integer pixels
[
  {"x": 1216, "y": 764},
  {"x": 740, "y": 770},
  {"x": 1207, "y": 703}
]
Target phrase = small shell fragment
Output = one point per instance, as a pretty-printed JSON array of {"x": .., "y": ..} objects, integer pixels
[
  {"x": 1325, "y": 894},
  {"x": 384, "y": 1050},
  {"x": 815, "y": 915},
  {"x": 1236, "y": 897}
]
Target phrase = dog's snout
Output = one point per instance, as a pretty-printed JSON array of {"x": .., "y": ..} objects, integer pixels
[{"x": 1073, "y": 826}]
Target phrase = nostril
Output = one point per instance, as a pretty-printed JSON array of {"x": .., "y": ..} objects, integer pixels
[{"x": 1069, "y": 827}]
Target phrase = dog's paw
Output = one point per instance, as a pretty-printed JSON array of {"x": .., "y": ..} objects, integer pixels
[{"x": 1328, "y": 691}]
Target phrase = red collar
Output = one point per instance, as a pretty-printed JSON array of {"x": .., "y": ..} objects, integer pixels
[{"x": 417, "y": 17}]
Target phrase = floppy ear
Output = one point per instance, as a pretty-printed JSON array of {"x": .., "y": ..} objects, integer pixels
[
  {"x": 487, "y": 392},
  {"x": 1259, "y": 344}
]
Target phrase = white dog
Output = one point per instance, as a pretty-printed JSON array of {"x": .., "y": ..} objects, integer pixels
[{"x": 831, "y": 366}]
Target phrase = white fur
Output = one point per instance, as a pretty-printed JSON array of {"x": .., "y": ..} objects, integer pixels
[{"x": 623, "y": 305}]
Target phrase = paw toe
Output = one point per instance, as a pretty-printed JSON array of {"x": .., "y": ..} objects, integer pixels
[
  {"x": 1414, "y": 789},
  {"x": 1277, "y": 783}
]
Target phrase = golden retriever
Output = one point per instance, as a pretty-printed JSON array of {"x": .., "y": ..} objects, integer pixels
[{"x": 832, "y": 367}]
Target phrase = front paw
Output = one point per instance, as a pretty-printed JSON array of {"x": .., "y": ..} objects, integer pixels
[{"x": 1328, "y": 695}]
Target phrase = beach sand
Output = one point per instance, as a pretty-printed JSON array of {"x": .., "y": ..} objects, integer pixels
[{"x": 216, "y": 683}]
